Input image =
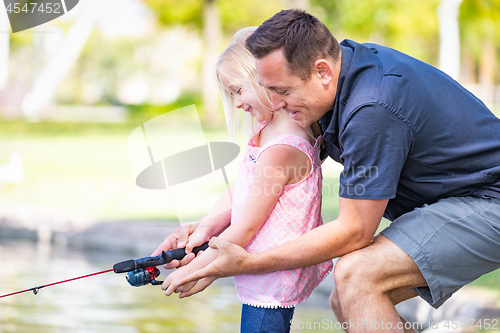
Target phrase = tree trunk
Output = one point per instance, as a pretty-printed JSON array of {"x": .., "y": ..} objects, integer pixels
[
  {"x": 211, "y": 37},
  {"x": 4, "y": 48},
  {"x": 299, "y": 4},
  {"x": 45, "y": 86},
  {"x": 487, "y": 74},
  {"x": 487, "y": 65},
  {"x": 449, "y": 37},
  {"x": 468, "y": 71}
]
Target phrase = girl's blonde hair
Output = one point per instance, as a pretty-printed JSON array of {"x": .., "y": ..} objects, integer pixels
[{"x": 237, "y": 59}]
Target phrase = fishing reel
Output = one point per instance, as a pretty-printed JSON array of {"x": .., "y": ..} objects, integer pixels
[
  {"x": 143, "y": 276},
  {"x": 143, "y": 271}
]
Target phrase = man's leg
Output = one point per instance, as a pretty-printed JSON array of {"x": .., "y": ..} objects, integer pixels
[
  {"x": 369, "y": 282},
  {"x": 397, "y": 296},
  {"x": 453, "y": 241}
]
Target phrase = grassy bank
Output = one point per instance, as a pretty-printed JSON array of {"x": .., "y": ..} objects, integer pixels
[
  {"x": 82, "y": 168},
  {"x": 86, "y": 169}
]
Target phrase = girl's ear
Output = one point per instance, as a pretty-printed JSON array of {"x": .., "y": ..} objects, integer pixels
[{"x": 323, "y": 70}]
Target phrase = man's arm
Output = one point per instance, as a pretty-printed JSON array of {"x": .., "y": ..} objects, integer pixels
[{"x": 353, "y": 229}]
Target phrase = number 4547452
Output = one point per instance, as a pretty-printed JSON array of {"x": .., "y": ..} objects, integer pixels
[
  {"x": 34, "y": 8},
  {"x": 479, "y": 324}
]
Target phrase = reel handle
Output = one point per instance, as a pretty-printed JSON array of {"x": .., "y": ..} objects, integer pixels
[
  {"x": 178, "y": 254},
  {"x": 143, "y": 271},
  {"x": 162, "y": 259}
]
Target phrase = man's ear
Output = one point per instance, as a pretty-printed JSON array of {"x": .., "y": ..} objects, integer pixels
[{"x": 324, "y": 71}]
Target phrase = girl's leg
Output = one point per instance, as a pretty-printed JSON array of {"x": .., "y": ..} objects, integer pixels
[{"x": 264, "y": 320}]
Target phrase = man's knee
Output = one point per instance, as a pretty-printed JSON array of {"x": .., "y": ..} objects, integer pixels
[
  {"x": 335, "y": 305},
  {"x": 334, "y": 299},
  {"x": 351, "y": 270},
  {"x": 363, "y": 272},
  {"x": 378, "y": 268},
  {"x": 356, "y": 278}
]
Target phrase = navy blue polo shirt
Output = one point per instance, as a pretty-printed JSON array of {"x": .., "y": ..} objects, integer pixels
[{"x": 407, "y": 132}]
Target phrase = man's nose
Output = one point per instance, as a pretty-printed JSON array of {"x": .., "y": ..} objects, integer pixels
[{"x": 277, "y": 102}]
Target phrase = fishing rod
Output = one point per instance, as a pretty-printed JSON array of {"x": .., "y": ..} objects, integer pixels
[{"x": 140, "y": 272}]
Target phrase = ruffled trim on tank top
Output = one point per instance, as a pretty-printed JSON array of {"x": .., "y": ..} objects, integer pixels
[{"x": 288, "y": 306}]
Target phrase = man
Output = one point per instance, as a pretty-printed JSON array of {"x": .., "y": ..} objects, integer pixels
[{"x": 416, "y": 147}]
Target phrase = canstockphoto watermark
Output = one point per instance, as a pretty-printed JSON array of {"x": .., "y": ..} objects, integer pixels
[
  {"x": 348, "y": 188},
  {"x": 328, "y": 324},
  {"x": 360, "y": 171},
  {"x": 180, "y": 161},
  {"x": 353, "y": 181},
  {"x": 353, "y": 184}
]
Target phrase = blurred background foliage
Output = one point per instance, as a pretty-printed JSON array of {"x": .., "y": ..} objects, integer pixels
[
  {"x": 73, "y": 90},
  {"x": 142, "y": 58},
  {"x": 172, "y": 57},
  {"x": 406, "y": 25}
]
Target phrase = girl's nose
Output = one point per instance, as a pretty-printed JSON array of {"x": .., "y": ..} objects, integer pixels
[{"x": 239, "y": 103}]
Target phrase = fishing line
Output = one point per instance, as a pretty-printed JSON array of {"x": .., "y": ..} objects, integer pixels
[
  {"x": 140, "y": 272},
  {"x": 35, "y": 290}
]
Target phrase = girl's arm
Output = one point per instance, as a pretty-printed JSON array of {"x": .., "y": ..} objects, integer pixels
[
  {"x": 274, "y": 168},
  {"x": 193, "y": 234}
]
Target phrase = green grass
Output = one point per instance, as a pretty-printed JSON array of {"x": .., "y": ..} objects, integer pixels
[
  {"x": 490, "y": 280},
  {"x": 83, "y": 169},
  {"x": 330, "y": 204}
]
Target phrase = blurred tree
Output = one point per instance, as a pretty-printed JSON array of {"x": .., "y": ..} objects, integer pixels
[
  {"x": 449, "y": 37},
  {"x": 407, "y": 25},
  {"x": 212, "y": 36},
  {"x": 480, "y": 34},
  {"x": 412, "y": 27},
  {"x": 213, "y": 19},
  {"x": 103, "y": 64},
  {"x": 45, "y": 84},
  {"x": 233, "y": 14},
  {"x": 4, "y": 50}
]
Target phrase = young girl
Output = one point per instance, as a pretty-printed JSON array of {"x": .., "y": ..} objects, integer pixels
[{"x": 276, "y": 197}]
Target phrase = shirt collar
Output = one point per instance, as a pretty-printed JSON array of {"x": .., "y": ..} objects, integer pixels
[{"x": 329, "y": 122}]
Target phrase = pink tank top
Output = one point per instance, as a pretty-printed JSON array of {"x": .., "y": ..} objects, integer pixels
[{"x": 297, "y": 211}]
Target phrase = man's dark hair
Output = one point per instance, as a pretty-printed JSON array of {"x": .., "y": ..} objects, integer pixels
[{"x": 303, "y": 38}]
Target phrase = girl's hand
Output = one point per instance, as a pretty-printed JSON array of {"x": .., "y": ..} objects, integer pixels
[
  {"x": 171, "y": 283},
  {"x": 197, "y": 238},
  {"x": 196, "y": 287},
  {"x": 177, "y": 240},
  {"x": 185, "y": 288}
]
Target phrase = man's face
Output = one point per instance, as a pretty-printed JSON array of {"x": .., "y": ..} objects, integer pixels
[{"x": 305, "y": 101}]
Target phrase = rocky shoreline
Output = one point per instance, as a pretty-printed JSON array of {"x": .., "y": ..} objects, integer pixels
[{"x": 44, "y": 225}]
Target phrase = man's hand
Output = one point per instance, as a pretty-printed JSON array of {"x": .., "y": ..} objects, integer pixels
[
  {"x": 232, "y": 260},
  {"x": 177, "y": 240}
]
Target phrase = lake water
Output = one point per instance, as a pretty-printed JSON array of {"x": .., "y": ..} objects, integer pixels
[{"x": 106, "y": 302}]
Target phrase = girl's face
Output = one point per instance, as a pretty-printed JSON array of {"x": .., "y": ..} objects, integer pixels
[{"x": 248, "y": 98}]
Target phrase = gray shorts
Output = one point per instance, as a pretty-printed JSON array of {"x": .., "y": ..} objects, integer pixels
[{"x": 453, "y": 242}]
